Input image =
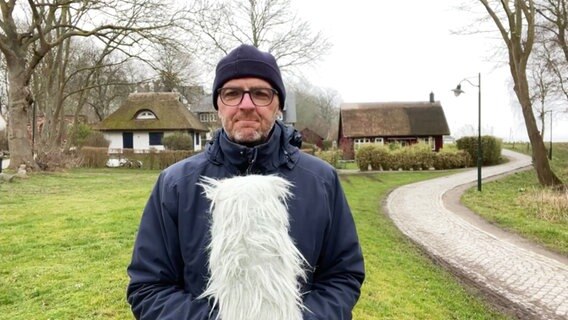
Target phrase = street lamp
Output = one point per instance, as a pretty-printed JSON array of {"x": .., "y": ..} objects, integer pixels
[{"x": 457, "y": 91}]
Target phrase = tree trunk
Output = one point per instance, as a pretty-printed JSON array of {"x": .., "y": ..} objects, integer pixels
[
  {"x": 20, "y": 101},
  {"x": 540, "y": 161},
  {"x": 517, "y": 28}
]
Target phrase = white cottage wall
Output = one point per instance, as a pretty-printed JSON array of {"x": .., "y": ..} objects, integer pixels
[
  {"x": 141, "y": 141},
  {"x": 115, "y": 139}
]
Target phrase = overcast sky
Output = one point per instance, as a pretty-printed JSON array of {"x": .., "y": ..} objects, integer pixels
[{"x": 403, "y": 50}]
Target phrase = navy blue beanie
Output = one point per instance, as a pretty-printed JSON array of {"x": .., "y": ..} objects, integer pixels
[{"x": 247, "y": 61}]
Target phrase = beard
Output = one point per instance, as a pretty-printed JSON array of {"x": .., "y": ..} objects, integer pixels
[{"x": 247, "y": 136}]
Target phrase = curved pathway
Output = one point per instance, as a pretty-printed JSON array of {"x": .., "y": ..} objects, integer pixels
[{"x": 531, "y": 284}]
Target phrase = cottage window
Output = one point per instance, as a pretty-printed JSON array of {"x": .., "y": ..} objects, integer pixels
[
  {"x": 156, "y": 138},
  {"x": 379, "y": 140},
  {"x": 212, "y": 117},
  {"x": 360, "y": 142},
  {"x": 145, "y": 115},
  {"x": 204, "y": 117}
]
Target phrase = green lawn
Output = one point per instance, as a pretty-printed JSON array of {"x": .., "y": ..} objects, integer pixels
[
  {"x": 518, "y": 203},
  {"x": 66, "y": 239}
]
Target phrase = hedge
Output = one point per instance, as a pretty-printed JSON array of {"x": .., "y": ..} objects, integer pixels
[
  {"x": 415, "y": 157},
  {"x": 331, "y": 156},
  {"x": 155, "y": 160},
  {"x": 490, "y": 149}
]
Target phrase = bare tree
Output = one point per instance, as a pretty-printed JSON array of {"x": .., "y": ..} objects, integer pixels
[
  {"x": 317, "y": 109},
  {"x": 554, "y": 22},
  {"x": 552, "y": 28},
  {"x": 515, "y": 21},
  {"x": 266, "y": 24},
  {"x": 31, "y": 30},
  {"x": 111, "y": 88},
  {"x": 174, "y": 65},
  {"x": 542, "y": 88}
]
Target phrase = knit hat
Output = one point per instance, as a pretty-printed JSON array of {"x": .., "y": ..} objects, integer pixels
[{"x": 247, "y": 61}]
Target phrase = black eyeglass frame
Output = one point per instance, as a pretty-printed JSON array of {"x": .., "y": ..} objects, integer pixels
[{"x": 250, "y": 93}]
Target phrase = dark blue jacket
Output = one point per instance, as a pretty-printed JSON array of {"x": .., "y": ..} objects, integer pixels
[{"x": 169, "y": 263}]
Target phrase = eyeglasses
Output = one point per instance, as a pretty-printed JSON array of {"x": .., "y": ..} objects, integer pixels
[{"x": 232, "y": 97}]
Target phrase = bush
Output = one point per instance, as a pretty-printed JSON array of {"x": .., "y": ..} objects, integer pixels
[
  {"x": 93, "y": 157},
  {"x": 414, "y": 157},
  {"x": 55, "y": 159},
  {"x": 327, "y": 144},
  {"x": 95, "y": 139},
  {"x": 423, "y": 156},
  {"x": 161, "y": 159},
  {"x": 390, "y": 162},
  {"x": 79, "y": 134},
  {"x": 309, "y": 146},
  {"x": 178, "y": 141},
  {"x": 394, "y": 146},
  {"x": 97, "y": 158},
  {"x": 490, "y": 149},
  {"x": 379, "y": 157},
  {"x": 364, "y": 156},
  {"x": 331, "y": 156},
  {"x": 451, "y": 160}
]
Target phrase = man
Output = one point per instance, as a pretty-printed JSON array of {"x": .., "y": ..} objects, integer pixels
[{"x": 184, "y": 255}]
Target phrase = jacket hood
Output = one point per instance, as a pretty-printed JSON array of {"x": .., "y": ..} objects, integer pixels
[{"x": 281, "y": 149}]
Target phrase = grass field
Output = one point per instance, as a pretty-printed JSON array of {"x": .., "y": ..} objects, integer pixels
[
  {"x": 66, "y": 239},
  {"x": 518, "y": 203}
]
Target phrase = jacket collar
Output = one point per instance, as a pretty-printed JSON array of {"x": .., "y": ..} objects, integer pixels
[{"x": 262, "y": 159}]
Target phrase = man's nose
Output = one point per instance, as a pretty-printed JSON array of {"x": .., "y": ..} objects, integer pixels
[{"x": 246, "y": 102}]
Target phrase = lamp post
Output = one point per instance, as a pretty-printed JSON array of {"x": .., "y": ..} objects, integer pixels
[{"x": 457, "y": 91}]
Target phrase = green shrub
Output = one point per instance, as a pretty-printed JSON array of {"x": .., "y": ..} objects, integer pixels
[
  {"x": 79, "y": 134},
  {"x": 379, "y": 156},
  {"x": 490, "y": 149},
  {"x": 401, "y": 158},
  {"x": 95, "y": 139},
  {"x": 451, "y": 160},
  {"x": 389, "y": 162},
  {"x": 364, "y": 156},
  {"x": 327, "y": 144},
  {"x": 394, "y": 146},
  {"x": 309, "y": 146},
  {"x": 423, "y": 156},
  {"x": 414, "y": 157},
  {"x": 178, "y": 141},
  {"x": 331, "y": 156}
]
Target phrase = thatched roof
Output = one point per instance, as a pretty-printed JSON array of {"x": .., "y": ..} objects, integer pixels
[
  {"x": 205, "y": 104},
  {"x": 170, "y": 113},
  {"x": 393, "y": 119}
]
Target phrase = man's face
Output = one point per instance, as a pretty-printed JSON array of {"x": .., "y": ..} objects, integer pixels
[{"x": 246, "y": 123}]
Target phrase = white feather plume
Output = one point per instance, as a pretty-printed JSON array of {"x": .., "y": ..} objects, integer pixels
[{"x": 254, "y": 265}]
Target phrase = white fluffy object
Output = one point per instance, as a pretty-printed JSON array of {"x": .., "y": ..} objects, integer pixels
[{"x": 254, "y": 265}]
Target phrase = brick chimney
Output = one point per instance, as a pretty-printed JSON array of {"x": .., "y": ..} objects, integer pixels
[{"x": 431, "y": 97}]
